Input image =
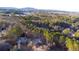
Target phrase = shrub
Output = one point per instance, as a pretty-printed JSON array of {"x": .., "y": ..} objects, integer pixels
[
  {"x": 66, "y": 31},
  {"x": 14, "y": 32}
]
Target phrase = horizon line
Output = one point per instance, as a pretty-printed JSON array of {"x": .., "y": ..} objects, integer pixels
[{"x": 39, "y": 8}]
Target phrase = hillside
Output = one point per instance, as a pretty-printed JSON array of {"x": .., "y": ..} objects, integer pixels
[{"x": 30, "y": 29}]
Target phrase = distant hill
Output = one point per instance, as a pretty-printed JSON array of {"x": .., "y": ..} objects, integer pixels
[{"x": 8, "y": 10}]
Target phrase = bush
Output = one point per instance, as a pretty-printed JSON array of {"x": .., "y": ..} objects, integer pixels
[
  {"x": 76, "y": 34},
  {"x": 69, "y": 44},
  {"x": 14, "y": 32},
  {"x": 66, "y": 31},
  {"x": 47, "y": 35},
  {"x": 72, "y": 45}
]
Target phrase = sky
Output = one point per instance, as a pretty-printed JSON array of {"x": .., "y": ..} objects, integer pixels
[{"x": 65, "y": 5}]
